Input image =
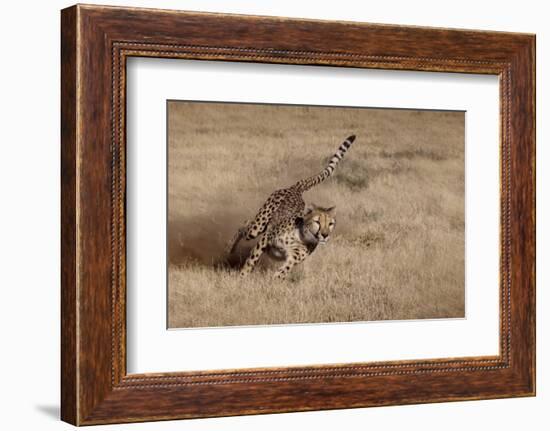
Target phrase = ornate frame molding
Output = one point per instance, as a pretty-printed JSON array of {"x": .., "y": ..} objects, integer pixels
[{"x": 96, "y": 41}]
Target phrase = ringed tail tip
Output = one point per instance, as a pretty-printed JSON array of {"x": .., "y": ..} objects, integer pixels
[{"x": 351, "y": 138}]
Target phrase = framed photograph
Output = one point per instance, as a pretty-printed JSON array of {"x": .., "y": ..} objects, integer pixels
[{"x": 264, "y": 215}]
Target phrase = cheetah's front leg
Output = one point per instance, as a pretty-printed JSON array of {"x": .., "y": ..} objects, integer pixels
[
  {"x": 254, "y": 256},
  {"x": 295, "y": 256}
]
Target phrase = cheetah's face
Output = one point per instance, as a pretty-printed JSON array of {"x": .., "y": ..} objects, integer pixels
[{"x": 320, "y": 222}]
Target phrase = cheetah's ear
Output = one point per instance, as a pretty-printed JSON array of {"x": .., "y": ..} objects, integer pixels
[{"x": 331, "y": 210}]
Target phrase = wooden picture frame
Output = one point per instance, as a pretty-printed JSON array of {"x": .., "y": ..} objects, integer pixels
[{"x": 95, "y": 43}]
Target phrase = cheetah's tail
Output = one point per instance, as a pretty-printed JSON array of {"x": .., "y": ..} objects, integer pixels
[{"x": 310, "y": 182}]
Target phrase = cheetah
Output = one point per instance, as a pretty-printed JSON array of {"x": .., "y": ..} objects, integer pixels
[{"x": 286, "y": 230}]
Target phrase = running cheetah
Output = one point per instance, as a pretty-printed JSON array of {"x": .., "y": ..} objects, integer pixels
[{"x": 286, "y": 229}]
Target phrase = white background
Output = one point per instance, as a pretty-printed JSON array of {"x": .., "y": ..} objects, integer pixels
[
  {"x": 29, "y": 227},
  {"x": 151, "y": 348}
]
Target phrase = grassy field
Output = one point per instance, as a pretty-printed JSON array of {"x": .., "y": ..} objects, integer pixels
[{"x": 398, "y": 248}]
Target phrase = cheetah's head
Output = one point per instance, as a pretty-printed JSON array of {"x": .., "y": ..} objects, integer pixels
[{"x": 319, "y": 223}]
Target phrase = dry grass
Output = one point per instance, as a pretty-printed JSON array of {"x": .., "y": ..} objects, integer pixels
[{"x": 397, "y": 251}]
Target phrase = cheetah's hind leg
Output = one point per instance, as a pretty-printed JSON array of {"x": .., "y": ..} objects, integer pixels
[
  {"x": 233, "y": 256},
  {"x": 252, "y": 228},
  {"x": 262, "y": 219},
  {"x": 254, "y": 256},
  {"x": 232, "y": 245}
]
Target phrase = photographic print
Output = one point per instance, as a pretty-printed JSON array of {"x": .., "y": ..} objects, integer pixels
[{"x": 290, "y": 214}]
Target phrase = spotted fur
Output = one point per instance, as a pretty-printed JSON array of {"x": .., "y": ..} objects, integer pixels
[{"x": 284, "y": 227}]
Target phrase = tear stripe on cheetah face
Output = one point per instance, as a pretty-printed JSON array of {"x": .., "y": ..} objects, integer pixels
[{"x": 318, "y": 223}]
